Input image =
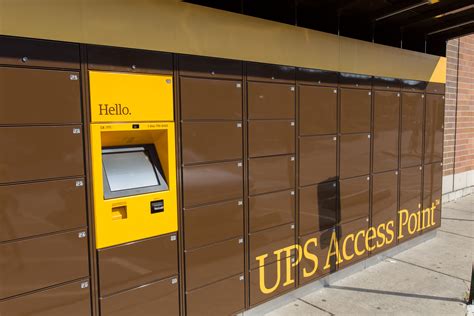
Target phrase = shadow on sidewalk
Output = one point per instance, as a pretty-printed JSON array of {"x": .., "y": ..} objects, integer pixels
[{"x": 429, "y": 297}]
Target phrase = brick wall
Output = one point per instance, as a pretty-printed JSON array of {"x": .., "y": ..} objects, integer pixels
[{"x": 459, "y": 119}]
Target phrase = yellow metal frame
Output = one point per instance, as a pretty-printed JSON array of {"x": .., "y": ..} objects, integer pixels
[
  {"x": 132, "y": 109},
  {"x": 139, "y": 223},
  {"x": 124, "y": 97}
]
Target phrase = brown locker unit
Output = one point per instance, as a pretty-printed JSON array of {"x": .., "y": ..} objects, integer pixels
[
  {"x": 43, "y": 213},
  {"x": 386, "y": 128},
  {"x": 207, "y": 99},
  {"x": 215, "y": 262},
  {"x": 224, "y": 297},
  {"x": 410, "y": 199},
  {"x": 434, "y": 124},
  {"x": 211, "y": 141},
  {"x": 285, "y": 283},
  {"x": 224, "y": 184},
  {"x": 384, "y": 207},
  {"x": 31, "y": 153},
  {"x": 37, "y": 208},
  {"x": 432, "y": 190},
  {"x": 355, "y": 109},
  {"x": 269, "y": 240},
  {"x": 272, "y": 209},
  {"x": 310, "y": 270},
  {"x": 140, "y": 262},
  {"x": 157, "y": 298},
  {"x": 354, "y": 198},
  {"x": 69, "y": 299},
  {"x": 271, "y": 143},
  {"x": 211, "y": 223},
  {"x": 270, "y": 174},
  {"x": 267, "y": 138},
  {"x": 354, "y": 155},
  {"x": 270, "y": 101},
  {"x": 33, "y": 264},
  {"x": 411, "y": 129},
  {"x": 34, "y": 96},
  {"x": 240, "y": 161},
  {"x": 317, "y": 207},
  {"x": 317, "y": 110},
  {"x": 318, "y": 159},
  {"x": 353, "y": 250},
  {"x": 211, "y": 101}
]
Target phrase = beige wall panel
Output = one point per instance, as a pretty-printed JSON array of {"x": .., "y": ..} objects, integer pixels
[{"x": 174, "y": 26}]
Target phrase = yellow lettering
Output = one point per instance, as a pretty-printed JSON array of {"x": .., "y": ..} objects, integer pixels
[
  {"x": 344, "y": 248},
  {"x": 299, "y": 252},
  {"x": 425, "y": 218},
  {"x": 310, "y": 256},
  {"x": 412, "y": 231},
  {"x": 418, "y": 220},
  {"x": 356, "y": 243},
  {"x": 380, "y": 235},
  {"x": 333, "y": 251},
  {"x": 368, "y": 238},
  {"x": 287, "y": 250},
  {"x": 289, "y": 279},
  {"x": 390, "y": 232},
  {"x": 433, "y": 207},
  {"x": 402, "y": 223},
  {"x": 261, "y": 274}
]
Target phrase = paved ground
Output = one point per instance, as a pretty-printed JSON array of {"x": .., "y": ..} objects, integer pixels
[{"x": 430, "y": 279}]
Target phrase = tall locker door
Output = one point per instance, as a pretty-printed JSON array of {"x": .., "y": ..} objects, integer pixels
[
  {"x": 410, "y": 202},
  {"x": 434, "y": 125},
  {"x": 411, "y": 129},
  {"x": 386, "y": 126}
]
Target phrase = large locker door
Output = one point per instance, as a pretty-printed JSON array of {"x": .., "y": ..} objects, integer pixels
[
  {"x": 411, "y": 129},
  {"x": 31, "y": 153},
  {"x": 386, "y": 126},
  {"x": 434, "y": 124},
  {"x": 37, "y": 263}
]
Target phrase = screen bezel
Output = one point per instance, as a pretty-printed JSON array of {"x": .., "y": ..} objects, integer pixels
[{"x": 149, "y": 150}]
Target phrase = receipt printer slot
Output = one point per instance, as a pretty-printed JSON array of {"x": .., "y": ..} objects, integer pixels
[{"x": 157, "y": 206}]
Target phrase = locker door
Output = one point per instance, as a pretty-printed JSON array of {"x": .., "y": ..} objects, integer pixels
[
  {"x": 355, "y": 155},
  {"x": 31, "y": 153},
  {"x": 434, "y": 124},
  {"x": 271, "y": 101},
  {"x": 386, "y": 124},
  {"x": 355, "y": 110},
  {"x": 412, "y": 129},
  {"x": 354, "y": 198},
  {"x": 317, "y": 209},
  {"x": 318, "y": 110},
  {"x": 318, "y": 161}
]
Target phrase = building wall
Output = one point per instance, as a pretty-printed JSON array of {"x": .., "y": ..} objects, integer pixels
[{"x": 458, "y": 161}]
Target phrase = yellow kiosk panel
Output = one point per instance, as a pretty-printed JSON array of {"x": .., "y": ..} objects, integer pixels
[
  {"x": 122, "y": 97},
  {"x": 134, "y": 178}
]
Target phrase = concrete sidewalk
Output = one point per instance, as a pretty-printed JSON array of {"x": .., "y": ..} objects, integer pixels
[{"x": 432, "y": 278}]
